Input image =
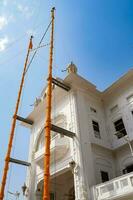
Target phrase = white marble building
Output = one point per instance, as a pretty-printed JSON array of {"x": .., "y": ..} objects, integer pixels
[{"x": 97, "y": 163}]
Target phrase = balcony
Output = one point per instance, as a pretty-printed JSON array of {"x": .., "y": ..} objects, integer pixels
[
  {"x": 59, "y": 148},
  {"x": 117, "y": 188}
]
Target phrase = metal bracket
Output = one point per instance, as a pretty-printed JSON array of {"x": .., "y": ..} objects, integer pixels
[
  {"x": 62, "y": 131},
  {"x": 19, "y": 162},
  {"x": 27, "y": 121},
  {"x": 60, "y": 84}
]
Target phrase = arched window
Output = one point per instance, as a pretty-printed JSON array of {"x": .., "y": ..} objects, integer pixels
[
  {"x": 58, "y": 121},
  {"x": 40, "y": 142}
]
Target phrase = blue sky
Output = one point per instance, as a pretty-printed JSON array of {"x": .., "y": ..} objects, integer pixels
[{"x": 97, "y": 35}]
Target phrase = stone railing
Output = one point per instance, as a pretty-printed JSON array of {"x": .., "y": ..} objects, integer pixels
[{"x": 116, "y": 188}]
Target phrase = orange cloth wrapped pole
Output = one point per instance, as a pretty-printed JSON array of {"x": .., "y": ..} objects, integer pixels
[
  {"x": 46, "y": 195},
  {"x": 11, "y": 137}
]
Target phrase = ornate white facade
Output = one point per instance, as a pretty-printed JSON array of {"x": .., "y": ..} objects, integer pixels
[{"x": 94, "y": 165}]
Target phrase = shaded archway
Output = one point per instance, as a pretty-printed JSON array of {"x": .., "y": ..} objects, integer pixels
[{"x": 61, "y": 187}]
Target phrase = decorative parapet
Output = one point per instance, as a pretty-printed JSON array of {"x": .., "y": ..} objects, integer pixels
[{"x": 116, "y": 188}]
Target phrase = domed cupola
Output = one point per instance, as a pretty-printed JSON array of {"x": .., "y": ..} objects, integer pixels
[{"x": 72, "y": 68}]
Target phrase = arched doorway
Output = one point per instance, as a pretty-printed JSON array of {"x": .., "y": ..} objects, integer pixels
[{"x": 61, "y": 187}]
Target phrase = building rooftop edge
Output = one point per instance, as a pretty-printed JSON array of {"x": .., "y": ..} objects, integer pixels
[{"x": 120, "y": 80}]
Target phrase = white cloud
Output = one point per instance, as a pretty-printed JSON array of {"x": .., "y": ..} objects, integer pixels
[
  {"x": 25, "y": 10},
  {"x": 3, "y": 43},
  {"x": 3, "y": 22},
  {"x": 7, "y": 2}
]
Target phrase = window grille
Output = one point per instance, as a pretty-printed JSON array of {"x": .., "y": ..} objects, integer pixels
[
  {"x": 96, "y": 129},
  {"x": 120, "y": 128}
]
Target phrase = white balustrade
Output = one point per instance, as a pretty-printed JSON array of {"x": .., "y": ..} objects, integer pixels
[{"x": 118, "y": 187}]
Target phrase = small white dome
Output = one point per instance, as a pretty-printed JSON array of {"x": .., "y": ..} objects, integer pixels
[{"x": 72, "y": 68}]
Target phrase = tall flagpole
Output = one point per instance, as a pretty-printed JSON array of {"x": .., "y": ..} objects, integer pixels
[
  {"x": 46, "y": 195},
  {"x": 11, "y": 137}
]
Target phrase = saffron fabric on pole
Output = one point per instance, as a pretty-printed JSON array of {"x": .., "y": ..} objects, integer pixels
[
  {"x": 12, "y": 132},
  {"x": 46, "y": 195}
]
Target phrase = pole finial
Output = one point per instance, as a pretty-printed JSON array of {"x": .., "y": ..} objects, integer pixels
[
  {"x": 52, "y": 12},
  {"x": 53, "y": 9},
  {"x": 30, "y": 44}
]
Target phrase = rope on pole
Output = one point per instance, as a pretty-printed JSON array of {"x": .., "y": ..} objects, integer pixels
[{"x": 39, "y": 45}]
